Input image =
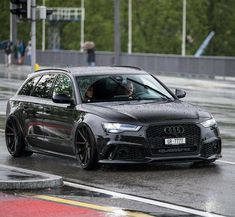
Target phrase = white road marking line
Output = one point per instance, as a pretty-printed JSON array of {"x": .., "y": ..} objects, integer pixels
[
  {"x": 144, "y": 200},
  {"x": 226, "y": 162}
]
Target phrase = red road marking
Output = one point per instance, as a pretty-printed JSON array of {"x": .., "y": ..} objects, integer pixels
[{"x": 14, "y": 206}]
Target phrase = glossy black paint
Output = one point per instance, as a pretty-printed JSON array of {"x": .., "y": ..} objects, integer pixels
[{"x": 52, "y": 123}]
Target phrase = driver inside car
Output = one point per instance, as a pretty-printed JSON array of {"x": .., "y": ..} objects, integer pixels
[{"x": 89, "y": 94}]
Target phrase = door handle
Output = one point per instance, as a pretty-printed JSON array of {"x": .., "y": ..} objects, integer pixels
[
  {"x": 47, "y": 110},
  {"x": 26, "y": 107}
]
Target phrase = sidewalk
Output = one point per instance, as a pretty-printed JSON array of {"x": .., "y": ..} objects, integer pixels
[
  {"x": 12, "y": 178},
  {"x": 15, "y": 71},
  {"x": 21, "y": 72}
]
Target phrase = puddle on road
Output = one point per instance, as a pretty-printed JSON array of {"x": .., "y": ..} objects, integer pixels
[
  {"x": 70, "y": 191},
  {"x": 4, "y": 89},
  {"x": 13, "y": 175},
  {"x": 13, "y": 73}
]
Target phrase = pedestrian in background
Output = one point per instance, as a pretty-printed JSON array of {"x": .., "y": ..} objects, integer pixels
[
  {"x": 28, "y": 52},
  {"x": 91, "y": 57},
  {"x": 17, "y": 50},
  {"x": 8, "y": 52},
  {"x": 21, "y": 52},
  {"x": 15, "y": 53},
  {"x": 89, "y": 46}
]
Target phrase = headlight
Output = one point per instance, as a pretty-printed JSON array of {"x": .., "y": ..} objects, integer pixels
[
  {"x": 117, "y": 127},
  {"x": 209, "y": 123}
]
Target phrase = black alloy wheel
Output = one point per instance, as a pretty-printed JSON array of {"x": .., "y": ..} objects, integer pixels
[
  {"x": 14, "y": 139},
  {"x": 86, "y": 152}
]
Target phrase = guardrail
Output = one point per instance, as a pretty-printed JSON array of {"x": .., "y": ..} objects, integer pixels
[{"x": 155, "y": 63}]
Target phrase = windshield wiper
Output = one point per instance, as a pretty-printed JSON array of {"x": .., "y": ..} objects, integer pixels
[{"x": 148, "y": 87}]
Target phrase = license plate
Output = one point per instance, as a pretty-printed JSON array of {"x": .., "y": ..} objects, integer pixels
[{"x": 175, "y": 141}]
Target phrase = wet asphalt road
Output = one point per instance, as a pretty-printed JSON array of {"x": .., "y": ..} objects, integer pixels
[{"x": 208, "y": 188}]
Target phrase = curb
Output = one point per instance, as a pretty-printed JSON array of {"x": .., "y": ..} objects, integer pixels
[{"x": 14, "y": 178}]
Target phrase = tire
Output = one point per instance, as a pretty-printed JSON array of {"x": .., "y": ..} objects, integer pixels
[
  {"x": 85, "y": 148},
  {"x": 14, "y": 139}
]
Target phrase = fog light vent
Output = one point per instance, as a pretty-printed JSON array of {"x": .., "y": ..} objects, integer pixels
[
  {"x": 125, "y": 152},
  {"x": 210, "y": 149}
]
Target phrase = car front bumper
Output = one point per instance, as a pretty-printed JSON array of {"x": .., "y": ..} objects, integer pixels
[{"x": 135, "y": 148}]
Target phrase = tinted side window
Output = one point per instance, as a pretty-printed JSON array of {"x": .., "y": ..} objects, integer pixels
[
  {"x": 63, "y": 85},
  {"x": 29, "y": 86},
  {"x": 43, "y": 87}
]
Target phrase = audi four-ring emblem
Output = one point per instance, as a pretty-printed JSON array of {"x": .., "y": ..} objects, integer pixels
[{"x": 174, "y": 130}]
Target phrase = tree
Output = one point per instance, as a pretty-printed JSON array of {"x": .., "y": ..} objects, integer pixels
[{"x": 157, "y": 25}]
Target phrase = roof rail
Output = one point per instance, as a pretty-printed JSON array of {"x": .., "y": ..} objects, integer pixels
[
  {"x": 133, "y": 67},
  {"x": 46, "y": 69}
]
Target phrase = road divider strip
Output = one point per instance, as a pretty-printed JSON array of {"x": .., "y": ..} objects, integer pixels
[
  {"x": 226, "y": 162},
  {"x": 143, "y": 200},
  {"x": 117, "y": 211}
]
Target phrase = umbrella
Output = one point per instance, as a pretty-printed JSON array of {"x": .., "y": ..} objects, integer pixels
[
  {"x": 88, "y": 45},
  {"x": 3, "y": 44}
]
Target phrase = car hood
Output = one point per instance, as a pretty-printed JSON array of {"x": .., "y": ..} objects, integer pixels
[{"x": 147, "y": 112}]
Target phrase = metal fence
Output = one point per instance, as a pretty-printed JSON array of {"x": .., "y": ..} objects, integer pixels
[{"x": 155, "y": 63}]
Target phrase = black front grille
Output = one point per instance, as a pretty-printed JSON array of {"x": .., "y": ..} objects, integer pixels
[{"x": 157, "y": 134}]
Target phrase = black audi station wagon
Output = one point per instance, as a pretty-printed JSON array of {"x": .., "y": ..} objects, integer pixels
[{"x": 108, "y": 115}]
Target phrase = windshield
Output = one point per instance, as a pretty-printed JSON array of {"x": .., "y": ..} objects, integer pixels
[{"x": 121, "y": 88}]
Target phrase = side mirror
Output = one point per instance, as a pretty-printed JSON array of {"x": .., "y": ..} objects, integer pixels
[
  {"x": 180, "y": 93},
  {"x": 62, "y": 98}
]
